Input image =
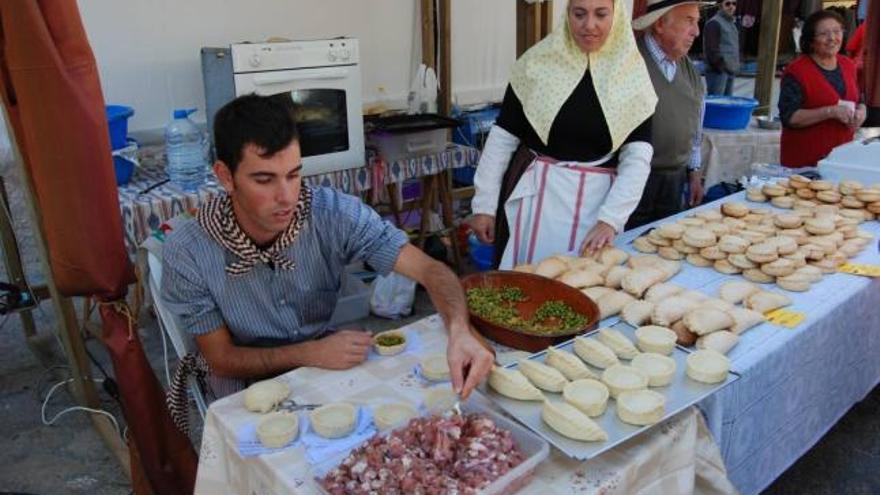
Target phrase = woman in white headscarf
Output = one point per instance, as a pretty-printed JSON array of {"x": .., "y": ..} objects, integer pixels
[{"x": 567, "y": 160}]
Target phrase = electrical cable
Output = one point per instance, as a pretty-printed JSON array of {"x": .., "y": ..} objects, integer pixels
[{"x": 55, "y": 418}]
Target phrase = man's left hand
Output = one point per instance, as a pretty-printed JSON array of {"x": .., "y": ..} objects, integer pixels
[
  {"x": 469, "y": 361},
  {"x": 696, "y": 188}
]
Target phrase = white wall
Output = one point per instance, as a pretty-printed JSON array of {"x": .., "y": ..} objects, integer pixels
[{"x": 148, "y": 50}]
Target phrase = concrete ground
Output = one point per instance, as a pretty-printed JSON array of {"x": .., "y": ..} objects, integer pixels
[{"x": 69, "y": 458}]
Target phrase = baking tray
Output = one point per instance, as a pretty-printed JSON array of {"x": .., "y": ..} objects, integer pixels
[{"x": 680, "y": 394}]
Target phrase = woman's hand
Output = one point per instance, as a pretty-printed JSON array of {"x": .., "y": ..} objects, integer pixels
[
  {"x": 484, "y": 226},
  {"x": 859, "y": 117},
  {"x": 600, "y": 236},
  {"x": 841, "y": 113}
]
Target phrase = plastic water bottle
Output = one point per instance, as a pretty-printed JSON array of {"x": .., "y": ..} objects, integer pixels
[{"x": 185, "y": 151}]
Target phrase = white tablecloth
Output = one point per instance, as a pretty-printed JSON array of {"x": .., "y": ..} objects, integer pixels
[
  {"x": 796, "y": 383},
  {"x": 727, "y": 155},
  {"x": 678, "y": 456}
]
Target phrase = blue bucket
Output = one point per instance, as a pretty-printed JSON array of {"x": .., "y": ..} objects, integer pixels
[
  {"x": 483, "y": 255},
  {"x": 123, "y": 168},
  {"x": 728, "y": 112},
  {"x": 117, "y": 121}
]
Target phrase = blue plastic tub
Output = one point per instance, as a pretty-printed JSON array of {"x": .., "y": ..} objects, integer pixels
[
  {"x": 464, "y": 176},
  {"x": 481, "y": 254},
  {"x": 117, "y": 121},
  {"x": 123, "y": 168},
  {"x": 728, "y": 112}
]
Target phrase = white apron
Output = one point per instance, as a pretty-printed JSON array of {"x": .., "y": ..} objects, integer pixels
[{"x": 552, "y": 208}]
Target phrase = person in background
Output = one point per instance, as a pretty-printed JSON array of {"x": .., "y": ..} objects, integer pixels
[
  {"x": 819, "y": 99},
  {"x": 576, "y": 120},
  {"x": 669, "y": 29},
  {"x": 856, "y": 48},
  {"x": 721, "y": 49},
  {"x": 255, "y": 276}
]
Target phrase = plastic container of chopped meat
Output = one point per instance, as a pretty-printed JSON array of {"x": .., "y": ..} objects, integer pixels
[{"x": 534, "y": 448}]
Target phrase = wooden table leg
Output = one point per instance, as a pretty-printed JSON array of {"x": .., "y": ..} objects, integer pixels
[
  {"x": 391, "y": 187},
  {"x": 445, "y": 182},
  {"x": 428, "y": 193}
]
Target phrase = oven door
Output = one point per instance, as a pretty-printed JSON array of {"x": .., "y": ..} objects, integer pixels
[{"x": 327, "y": 106}]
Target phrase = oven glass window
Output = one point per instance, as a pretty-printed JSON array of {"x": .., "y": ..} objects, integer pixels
[{"x": 320, "y": 119}]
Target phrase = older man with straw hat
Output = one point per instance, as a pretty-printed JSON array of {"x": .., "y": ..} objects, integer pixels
[{"x": 669, "y": 28}]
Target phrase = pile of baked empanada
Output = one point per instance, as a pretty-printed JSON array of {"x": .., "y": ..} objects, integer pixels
[
  {"x": 798, "y": 191},
  {"x": 792, "y": 249}
]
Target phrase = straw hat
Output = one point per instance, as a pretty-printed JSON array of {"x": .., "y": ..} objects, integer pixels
[{"x": 656, "y": 9}]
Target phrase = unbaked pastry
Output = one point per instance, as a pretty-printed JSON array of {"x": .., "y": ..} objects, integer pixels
[
  {"x": 715, "y": 303},
  {"x": 672, "y": 309},
  {"x": 654, "y": 338},
  {"x": 334, "y": 420},
  {"x": 735, "y": 291},
  {"x": 637, "y": 313},
  {"x": 613, "y": 256},
  {"x": 639, "y": 280},
  {"x": 615, "y": 275},
  {"x": 391, "y": 415},
  {"x": 581, "y": 278},
  {"x": 513, "y": 384},
  {"x": 766, "y": 301},
  {"x": 263, "y": 396},
  {"x": 699, "y": 237},
  {"x": 643, "y": 245},
  {"x": 757, "y": 276},
  {"x": 590, "y": 396},
  {"x": 621, "y": 378},
  {"x": 694, "y": 296},
  {"x": 668, "y": 267},
  {"x": 611, "y": 304},
  {"x": 595, "y": 293},
  {"x": 707, "y": 366},
  {"x": 703, "y": 321},
  {"x": 435, "y": 368},
  {"x": 659, "y": 368},
  {"x": 744, "y": 319},
  {"x": 617, "y": 342},
  {"x": 568, "y": 364},
  {"x": 551, "y": 267},
  {"x": 641, "y": 407},
  {"x": 442, "y": 398},
  {"x": 278, "y": 429},
  {"x": 594, "y": 352},
  {"x": 698, "y": 260},
  {"x": 542, "y": 376},
  {"x": 570, "y": 422},
  {"x": 722, "y": 341},
  {"x": 661, "y": 291},
  {"x": 643, "y": 260}
]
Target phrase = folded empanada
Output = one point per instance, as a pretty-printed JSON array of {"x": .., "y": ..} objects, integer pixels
[
  {"x": 551, "y": 267},
  {"x": 637, "y": 313},
  {"x": 594, "y": 352},
  {"x": 704, "y": 321},
  {"x": 524, "y": 268},
  {"x": 618, "y": 342},
  {"x": 721, "y": 341},
  {"x": 611, "y": 304},
  {"x": 735, "y": 291},
  {"x": 568, "y": 364},
  {"x": 542, "y": 376},
  {"x": 672, "y": 309},
  {"x": 639, "y": 280},
  {"x": 581, "y": 278},
  {"x": 744, "y": 319},
  {"x": 513, "y": 384},
  {"x": 595, "y": 293},
  {"x": 570, "y": 422},
  {"x": 615, "y": 275},
  {"x": 766, "y": 301},
  {"x": 263, "y": 396}
]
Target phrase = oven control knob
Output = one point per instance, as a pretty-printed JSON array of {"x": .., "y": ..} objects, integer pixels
[
  {"x": 255, "y": 60},
  {"x": 345, "y": 54},
  {"x": 331, "y": 55}
]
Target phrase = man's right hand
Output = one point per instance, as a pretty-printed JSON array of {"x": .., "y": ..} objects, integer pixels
[
  {"x": 484, "y": 227},
  {"x": 341, "y": 350}
]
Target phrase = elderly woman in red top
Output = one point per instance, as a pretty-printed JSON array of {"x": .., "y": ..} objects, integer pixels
[{"x": 819, "y": 99}]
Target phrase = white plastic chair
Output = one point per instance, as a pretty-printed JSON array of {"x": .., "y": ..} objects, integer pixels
[{"x": 182, "y": 342}]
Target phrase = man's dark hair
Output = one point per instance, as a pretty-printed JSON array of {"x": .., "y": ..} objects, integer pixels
[
  {"x": 264, "y": 121},
  {"x": 808, "y": 34}
]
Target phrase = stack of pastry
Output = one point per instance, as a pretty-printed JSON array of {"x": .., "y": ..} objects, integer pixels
[
  {"x": 853, "y": 197},
  {"x": 791, "y": 249}
]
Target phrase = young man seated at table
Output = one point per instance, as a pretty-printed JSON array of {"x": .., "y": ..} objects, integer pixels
[{"x": 255, "y": 276}]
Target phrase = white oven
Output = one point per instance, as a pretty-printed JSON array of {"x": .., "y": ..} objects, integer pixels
[{"x": 322, "y": 79}]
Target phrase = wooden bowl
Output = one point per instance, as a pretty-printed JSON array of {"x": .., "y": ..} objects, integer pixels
[{"x": 538, "y": 289}]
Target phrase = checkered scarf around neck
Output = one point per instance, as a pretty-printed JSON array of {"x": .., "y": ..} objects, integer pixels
[{"x": 218, "y": 219}]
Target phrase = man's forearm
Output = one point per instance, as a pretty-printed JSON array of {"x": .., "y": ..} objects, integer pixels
[
  {"x": 447, "y": 295},
  {"x": 257, "y": 362}
]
